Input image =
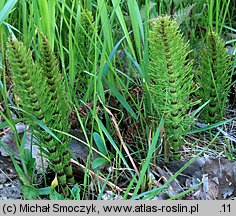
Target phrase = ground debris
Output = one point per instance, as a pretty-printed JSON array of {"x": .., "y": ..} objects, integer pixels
[{"x": 215, "y": 177}]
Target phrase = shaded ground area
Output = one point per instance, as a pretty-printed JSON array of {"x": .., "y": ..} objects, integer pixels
[
  {"x": 205, "y": 178},
  {"x": 9, "y": 185}
]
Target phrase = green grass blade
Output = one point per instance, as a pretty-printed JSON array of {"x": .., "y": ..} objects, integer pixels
[
  {"x": 121, "y": 99},
  {"x": 149, "y": 157},
  {"x": 199, "y": 109},
  {"x": 123, "y": 24},
  {"x": 112, "y": 54},
  {"x": 6, "y": 10},
  {"x": 106, "y": 24},
  {"x": 137, "y": 26},
  {"x": 189, "y": 162},
  {"x": 209, "y": 127},
  {"x": 109, "y": 137}
]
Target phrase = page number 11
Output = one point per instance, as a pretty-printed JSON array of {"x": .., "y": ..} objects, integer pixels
[{"x": 225, "y": 208}]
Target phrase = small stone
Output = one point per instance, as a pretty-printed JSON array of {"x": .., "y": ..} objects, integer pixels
[{"x": 2, "y": 178}]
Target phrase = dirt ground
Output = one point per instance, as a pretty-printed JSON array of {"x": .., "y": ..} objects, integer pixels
[{"x": 9, "y": 184}]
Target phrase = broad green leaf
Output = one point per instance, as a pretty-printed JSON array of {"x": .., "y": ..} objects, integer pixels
[
  {"x": 98, "y": 162},
  {"x": 100, "y": 143},
  {"x": 56, "y": 196},
  {"x": 76, "y": 192},
  {"x": 29, "y": 192},
  {"x": 45, "y": 191}
]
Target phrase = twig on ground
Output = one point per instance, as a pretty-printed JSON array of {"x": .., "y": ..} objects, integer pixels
[
  {"x": 113, "y": 186},
  {"x": 120, "y": 137}
]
